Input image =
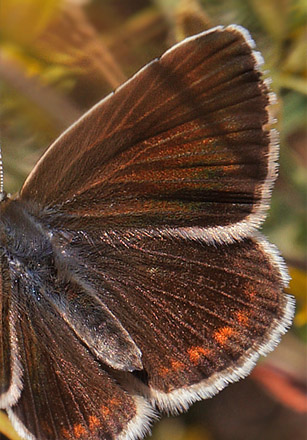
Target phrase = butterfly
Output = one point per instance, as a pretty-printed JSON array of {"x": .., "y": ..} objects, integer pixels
[{"x": 133, "y": 276}]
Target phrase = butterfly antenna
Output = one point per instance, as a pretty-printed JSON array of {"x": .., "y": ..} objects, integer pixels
[{"x": 2, "y": 193}]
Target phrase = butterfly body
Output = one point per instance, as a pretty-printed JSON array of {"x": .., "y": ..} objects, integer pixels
[
  {"x": 132, "y": 276},
  {"x": 23, "y": 238}
]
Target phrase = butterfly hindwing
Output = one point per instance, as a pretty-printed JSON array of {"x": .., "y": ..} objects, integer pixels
[
  {"x": 10, "y": 369},
  {"x": 200, "y": 314},
  {"x": 66, "y": 393}
]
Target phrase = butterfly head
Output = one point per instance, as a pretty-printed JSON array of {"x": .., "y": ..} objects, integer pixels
[{"x": 3, "y": 196}]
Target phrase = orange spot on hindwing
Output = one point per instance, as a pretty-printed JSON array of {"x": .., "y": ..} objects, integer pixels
[
  {"x": 241, "y": 318},
  {"x": 104, "y": 410},
  {"x": 174, "y": 368},
  {"x": 65, "y": 433},
  {"x": 196, "y": 353},
  {"x": 176, "y": 365},
  {"x": 93, "y": 423},
  {"x": 79, "y": 430},
  {"x": 164, "y": 371},
  {"x": 223, "y": 334}
]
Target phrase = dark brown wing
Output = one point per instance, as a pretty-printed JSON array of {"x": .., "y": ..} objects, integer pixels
[
  {"x": 200, "y": 314},
  {"x": 10, "y": 369},
  {"x": 183, "y": 144},
  {"x": 66, "y": 394}
]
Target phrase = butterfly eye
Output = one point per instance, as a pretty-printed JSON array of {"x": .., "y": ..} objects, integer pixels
[{"x": 3, "y": 196}]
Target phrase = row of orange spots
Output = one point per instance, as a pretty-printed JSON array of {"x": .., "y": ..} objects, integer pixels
[
  {"x": 78, "y": 430},
  {"x": 196, "y": 353},
  {"x": 175, "y": 366},
  {"x": 223, "y": 334},
  {"x": 94, "y": 423},
  {"x": 105, "y": 410}
]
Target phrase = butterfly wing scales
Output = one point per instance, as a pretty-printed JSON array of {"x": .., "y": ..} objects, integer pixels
[
  {"x": 198, "y": 313},
  {"x": 181, "y": 144},
  {"x": 10, "y": 371},
  {"x": 66, "y": 394}
]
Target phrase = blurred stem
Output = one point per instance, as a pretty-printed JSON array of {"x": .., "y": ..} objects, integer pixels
[
  {"x": 292, "y": 82},
  {"x": 90, "y": 47},
  {"x": 62, "y": 112},
  {"x": 6, "y": 428}
]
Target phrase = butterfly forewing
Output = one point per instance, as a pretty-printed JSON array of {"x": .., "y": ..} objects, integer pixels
[{"x": 182, "y": 144}]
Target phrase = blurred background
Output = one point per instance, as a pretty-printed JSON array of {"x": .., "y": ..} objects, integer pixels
[{"x": 59, "y": 57}]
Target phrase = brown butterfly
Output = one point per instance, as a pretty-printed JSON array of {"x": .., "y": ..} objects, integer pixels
[{"x": 133, "y": 278}]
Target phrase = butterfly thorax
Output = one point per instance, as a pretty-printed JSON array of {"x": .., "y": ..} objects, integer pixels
[{"x": 21, "y": 237}]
